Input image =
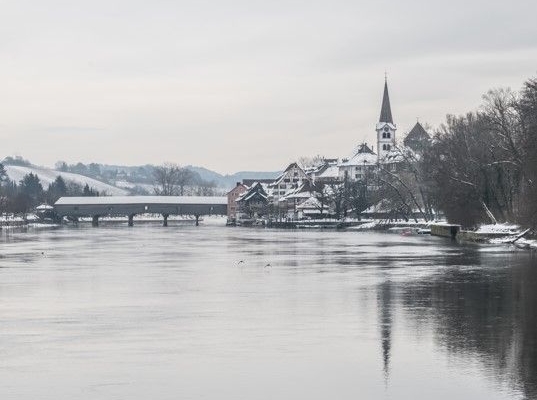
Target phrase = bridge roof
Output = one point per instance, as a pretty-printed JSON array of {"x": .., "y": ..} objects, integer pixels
[{"x": 87, "y": 200}]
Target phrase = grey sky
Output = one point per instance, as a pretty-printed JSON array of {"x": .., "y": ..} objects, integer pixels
[{"x": 244, "y": 84}]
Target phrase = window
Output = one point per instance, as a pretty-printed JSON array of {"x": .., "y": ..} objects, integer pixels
[
  {"x": 387, "y": 147},
  {"x": 287, "y": 180},
  {"x": 296, "y": 173}
]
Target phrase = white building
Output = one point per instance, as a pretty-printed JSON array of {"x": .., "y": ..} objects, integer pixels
[
  {"x": 292, "y": 178},
  {"x": 361, "y": 164}
]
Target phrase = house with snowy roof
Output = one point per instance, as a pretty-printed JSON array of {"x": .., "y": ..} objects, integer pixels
[
  {"x": 288, "y": 205},
  {"x": 325, "y": 172},
  {"x": 361, "y": 164},
  {"x": 253, "y": 203},
  {"x": 291, "y": 178}
]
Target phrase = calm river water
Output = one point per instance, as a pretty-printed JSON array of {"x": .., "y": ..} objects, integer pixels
[{"x": 197, "y": 313}]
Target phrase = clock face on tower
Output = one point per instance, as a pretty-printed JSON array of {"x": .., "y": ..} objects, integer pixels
[{"x": 386, "y": 129}]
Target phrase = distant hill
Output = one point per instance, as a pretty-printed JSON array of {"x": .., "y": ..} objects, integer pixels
[
  {"x": 228, "y": 181},
  {"x": 118, "y": 180},
  {"x": 47, "y": 176}
]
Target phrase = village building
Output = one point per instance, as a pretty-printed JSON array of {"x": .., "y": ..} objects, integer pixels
[
  {"x": 417, "y": 139},
  {"x": 253, "y": 203},
  {"x": 325, "y": 172},
  {"x": 288, "y": 204},
  {"x": 359, "y": 166},
  {"x": 232, "y": 196},
  {"x": 306, "y": 193},
  {"x": 312, "y": 208},
  {"x": 292, "y": 178}
]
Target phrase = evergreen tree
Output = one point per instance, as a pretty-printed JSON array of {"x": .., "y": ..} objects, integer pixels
[
  {"x": 56, "y": 189},
  {"x": 31, "y": 187}
]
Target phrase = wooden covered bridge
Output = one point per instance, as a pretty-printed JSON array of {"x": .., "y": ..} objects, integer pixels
[{"x": 130, "y": 206}]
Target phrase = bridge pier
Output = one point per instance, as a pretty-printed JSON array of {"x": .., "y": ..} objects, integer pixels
[
  {"x": 131, "y": 220},
  {"x": 197, "y": 220},
  {"x": 165, "y": 222},
  {"x": 95, "y": 220}
]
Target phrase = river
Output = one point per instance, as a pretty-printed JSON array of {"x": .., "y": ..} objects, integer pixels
[{"x": 211, "y": 312}]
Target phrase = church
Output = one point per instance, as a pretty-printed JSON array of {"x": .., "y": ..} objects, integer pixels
[{"x": 363, "y": 160}]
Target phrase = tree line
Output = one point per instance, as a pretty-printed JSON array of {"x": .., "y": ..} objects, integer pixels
[
  {"x": 25, "y": 195},
  {"x": 480, "y": 167},
  {"x": 483, "y": 165}
]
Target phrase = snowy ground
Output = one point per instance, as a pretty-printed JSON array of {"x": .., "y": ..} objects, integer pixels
[
  {"x": 508, "y": 229},
  {"x": 47, "y": 176}
]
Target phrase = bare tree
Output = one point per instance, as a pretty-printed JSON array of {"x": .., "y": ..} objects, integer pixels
[
  {"x": 184, "y": 178},
  {"x": 171, "y": 179},
  {"x": 166, "y": 179}
]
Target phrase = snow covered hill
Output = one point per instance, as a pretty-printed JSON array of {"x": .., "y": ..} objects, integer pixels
[{"x": 46, "y": 176}]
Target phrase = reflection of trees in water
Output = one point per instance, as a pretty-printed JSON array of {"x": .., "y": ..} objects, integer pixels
[{"x": 488, "y": 311}]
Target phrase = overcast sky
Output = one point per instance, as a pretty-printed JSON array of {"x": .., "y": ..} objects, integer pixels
[{"x": 244, "y": 85}]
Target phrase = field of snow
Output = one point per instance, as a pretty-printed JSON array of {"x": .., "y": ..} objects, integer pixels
[{"x": 47, "y": 176}]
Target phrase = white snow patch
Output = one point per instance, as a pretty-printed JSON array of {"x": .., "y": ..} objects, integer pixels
[
  {"x": 508, "y": 229},
  {"x": 47, "y": 176},
  {"x": 367, "y": 225}
]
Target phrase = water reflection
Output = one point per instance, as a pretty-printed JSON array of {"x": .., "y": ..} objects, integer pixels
[
  {"x": 384, "y": 299},
  {"x": 115, "y": 313},
  {"x": 484, "y": 306}
]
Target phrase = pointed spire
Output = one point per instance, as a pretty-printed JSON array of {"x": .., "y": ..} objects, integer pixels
[{"x": 386, "y": 111}]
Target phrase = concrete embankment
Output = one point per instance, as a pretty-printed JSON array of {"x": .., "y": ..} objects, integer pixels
[{"x": 445, "y": 230}]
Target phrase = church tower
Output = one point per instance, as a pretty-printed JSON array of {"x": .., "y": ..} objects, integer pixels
[{"x": 385, "y": 127}]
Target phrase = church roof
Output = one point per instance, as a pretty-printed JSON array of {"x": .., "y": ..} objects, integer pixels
[
  {"x": 386, "y": 111},
  {"x": 417, "y": 139},
  {"x": 418, "y": 132}
]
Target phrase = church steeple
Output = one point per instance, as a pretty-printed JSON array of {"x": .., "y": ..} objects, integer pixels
[
  {"x": 386, "y": 111},
  {"x": 385, "y": 127}
]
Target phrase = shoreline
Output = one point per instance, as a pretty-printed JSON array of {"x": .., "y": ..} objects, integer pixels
[{"x": 499, "y": 234}]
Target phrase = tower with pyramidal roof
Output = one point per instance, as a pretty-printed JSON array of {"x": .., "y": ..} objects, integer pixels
[{"x": 385, "y": 127}]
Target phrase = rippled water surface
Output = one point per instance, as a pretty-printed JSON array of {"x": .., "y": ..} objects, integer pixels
[{"x": 229, "y": 313}]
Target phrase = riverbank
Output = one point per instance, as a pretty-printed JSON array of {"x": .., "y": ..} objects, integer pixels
[{"x": 16, "y": 222}]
